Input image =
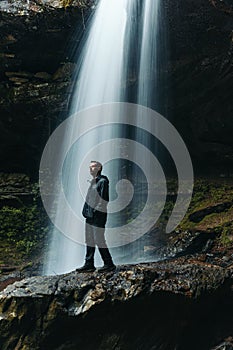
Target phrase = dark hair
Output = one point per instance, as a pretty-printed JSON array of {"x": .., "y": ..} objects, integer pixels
[{"x": 99, "y": 165}]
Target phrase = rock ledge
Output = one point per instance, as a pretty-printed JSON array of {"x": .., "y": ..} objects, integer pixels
[{"x": 56, "y": 310}]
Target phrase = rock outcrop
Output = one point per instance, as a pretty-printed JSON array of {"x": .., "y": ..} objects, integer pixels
[{"x": 177, "y": 304}]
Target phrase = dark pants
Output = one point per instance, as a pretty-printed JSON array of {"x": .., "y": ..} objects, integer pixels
[{"x": 95, "y": 236}]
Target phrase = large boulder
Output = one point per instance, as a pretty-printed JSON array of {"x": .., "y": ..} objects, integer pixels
[{"x": 181, "y": 304}]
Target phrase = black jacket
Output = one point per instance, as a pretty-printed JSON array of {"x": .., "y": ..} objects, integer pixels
[{"x": 95, "y": 207}]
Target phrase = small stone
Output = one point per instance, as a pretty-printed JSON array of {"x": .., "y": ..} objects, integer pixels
[
  {"x": 64, "y": 72},
  {"x": 43, "y": 76},
  {"x": 18, "y": 81},
  {"x": 21, "y": 74},
  {"x": 10, "y": 38},
  {"x": 7, "y": 55},
  {"x": 225, "y": 258},
  {"x": 149, "y": 248}
]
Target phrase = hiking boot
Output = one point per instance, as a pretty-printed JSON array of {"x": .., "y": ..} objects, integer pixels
[
  {"x": 86, "y": 268},
  {"x": 107, "y": 268}
]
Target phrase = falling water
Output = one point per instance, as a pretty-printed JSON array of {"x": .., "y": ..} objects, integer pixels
[
  {"x": 102, "y": 75},
  {"x": 148, "y": 72}
]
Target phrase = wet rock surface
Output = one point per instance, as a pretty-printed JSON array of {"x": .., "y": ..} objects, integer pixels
[
  {"x": 146, "y": 306},
  {"x": 226, "y": 345}
]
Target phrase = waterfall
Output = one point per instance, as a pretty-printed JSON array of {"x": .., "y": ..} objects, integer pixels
[
  {"x": 148, "y": 71},
  {"x": 119, "y": 32}
]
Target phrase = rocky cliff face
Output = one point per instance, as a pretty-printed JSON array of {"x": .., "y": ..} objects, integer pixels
[
  {"x": 201, "y": 77},
  {"x": 35, "y": 76},
  {"x": 181, "y": 304},
  {"x": 37, "y": 61}
]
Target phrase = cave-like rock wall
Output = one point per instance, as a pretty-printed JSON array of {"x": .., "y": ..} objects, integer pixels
[
  {"x": 37, "y": 61},
  {"x": 201, "y": 84},
  {"x": 35, "y": 78}
]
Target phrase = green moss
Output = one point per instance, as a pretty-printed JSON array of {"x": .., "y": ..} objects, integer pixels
[
  {"x": 67, "y": 3},
  {"x": 22, "y": 229},
  {"x": 225, "y": 238},
  {"x": 208, "y": 193}
]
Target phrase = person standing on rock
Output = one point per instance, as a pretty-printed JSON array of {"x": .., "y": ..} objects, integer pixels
[{"x": 95, "y": 213}]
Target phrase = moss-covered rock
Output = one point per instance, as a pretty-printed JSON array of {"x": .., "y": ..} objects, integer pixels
[{"x": 24, "y": 223}]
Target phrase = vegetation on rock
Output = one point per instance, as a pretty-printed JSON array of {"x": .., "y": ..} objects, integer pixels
[
  {"x": 212, "y": 204},
  {"x": 80, "y": 3},
  {"x": 22, "y": 231}
]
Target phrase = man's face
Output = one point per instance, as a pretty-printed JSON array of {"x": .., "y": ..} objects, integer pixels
[{"x": 94, "y": 169}]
